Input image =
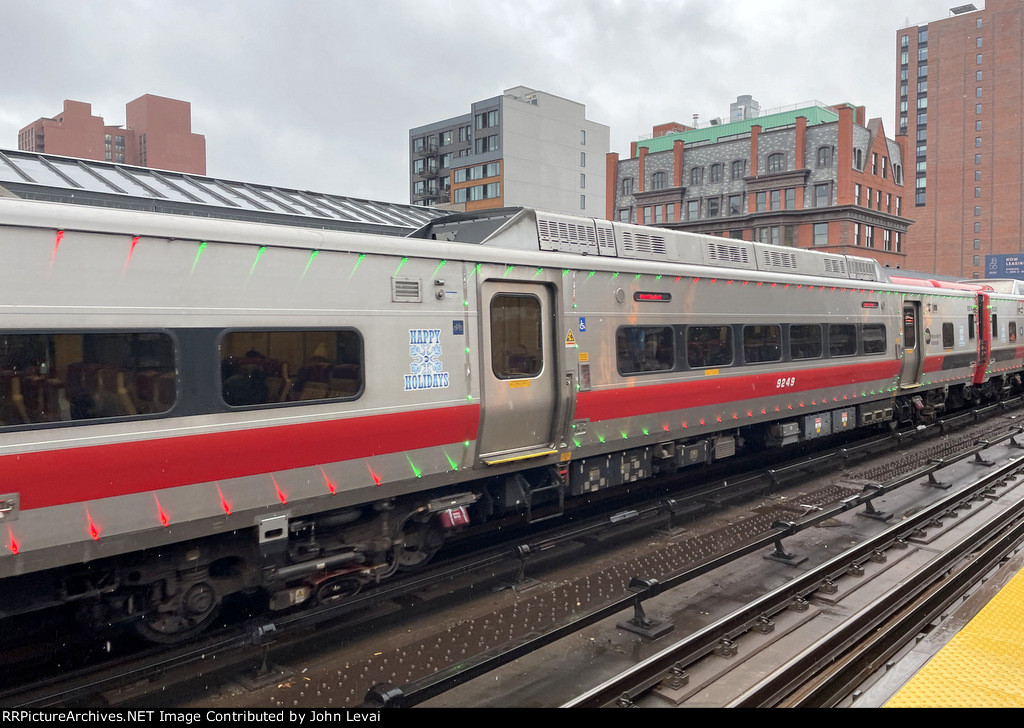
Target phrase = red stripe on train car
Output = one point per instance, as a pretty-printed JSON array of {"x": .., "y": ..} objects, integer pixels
[
  {"x": 932, "y": 364},
  {"x": 55, "y": 477},
  {"x": 719, "y": 389}
]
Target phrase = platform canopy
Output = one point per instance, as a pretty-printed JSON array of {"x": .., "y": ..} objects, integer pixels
[{"x": 34, "y": 176}]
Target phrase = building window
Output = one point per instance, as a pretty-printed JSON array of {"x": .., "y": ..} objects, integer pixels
[
  {"x": 977, "y": 211},
  {"x": 977, "y": 43},
  {"x": 627, "y": 186},
  {"x": 856, "y": 194},
  {"x": 977, "y": 244},
  {"x": 977, "y": 159},
  {"x": 977, "y": 260},
  {"x": 738, "y": 169},
  {"x": 713, "y": 207},
  {"x": 775, "y": 200},
  {"x": 583, "y": 159},
  {"x": 791, "y": 198},
  {"x": 697, "y": 176},
  {"x": 888, "y": 202},
  {"x": 977, "y": 141},
  {"x": 887, "y": 240},
  {"x": 821, "y": 233},
  {"x": 977, "y": 192},
  {"x": 977, "y": 75},
  {"x": 658, "y": 214},
  {"x": 977, "y": 108},
  {"x": 977, "y": 227},
  {"x": 693, "y": 210},
  {"x": 977, "y": 59},
  {"x": 776, "y": 162},
  {"x": 647, "y": 215},
  {"x": 869, "y": 236},
  {"x": 899, "y": 242},
  {"x": 977, "y": 92},
  {"x": 856, "y": 233},
  {"x": 583, "y": 181},
  {"x": 858, "y": 159},
  {"x": 670, "y": 213},
  {"x": 716, "y": 173},
  {"x": 874, "y": 156},
  {"x": 824, "y": 157},
  {"x": 583, "y": 202},
  {"x": 761, "y": 201},
  {"x": 821, "y": 196},
  {"x": 583, "y": 136},
  {"x": 658, "y": 181},
  {"x": 735, "y": 204}
]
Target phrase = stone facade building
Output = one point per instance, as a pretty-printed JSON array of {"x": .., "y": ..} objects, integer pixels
[{"x": 815, "y": 176}]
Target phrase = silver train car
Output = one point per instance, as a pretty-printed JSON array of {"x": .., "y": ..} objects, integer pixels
[{"x": 194, "y": 409}]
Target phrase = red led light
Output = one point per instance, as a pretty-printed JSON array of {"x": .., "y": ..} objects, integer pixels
[
  {"x": 56, "y": 244},
  {"x": 135, "y": 241},
  {"x": 376, "y": 478},
  {"x": 665, "y": 428},
  {"x": 94, "y": 532},
  {"x": 327, "y": 481},
  {"x": 280, "y": 495},
  {"x": 160, "y": 512},
  {"x": 12, "y": 544},
  {"x": 223, "y": 503}
]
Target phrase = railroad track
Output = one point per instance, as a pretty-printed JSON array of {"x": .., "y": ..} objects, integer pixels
[{"x": 250, "y": 650}]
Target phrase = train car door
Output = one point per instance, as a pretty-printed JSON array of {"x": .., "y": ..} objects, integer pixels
[
  {"x": 910, "y": 373},
  {"x": 519, "y": 371},
  {"x": 984, "y": 338}
]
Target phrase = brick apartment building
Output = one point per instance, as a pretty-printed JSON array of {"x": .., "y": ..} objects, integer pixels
[
  {"x": 157, "y": 133},
  {"x": 960, "y": 101},
  {"x": 812, "y": 177}
]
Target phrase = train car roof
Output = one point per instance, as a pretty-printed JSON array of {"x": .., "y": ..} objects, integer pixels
[{"x": 526, "y": 229}]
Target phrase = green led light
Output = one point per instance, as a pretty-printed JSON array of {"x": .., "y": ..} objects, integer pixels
[
  {"x": 467, "y": 349},
  {"x": 638, "y": 276},
  {"x": 356, "y": 267},
  {"x": 624, "y": 436},
  {"x": 439, "y": 267},
  {"x": 591, "y": 275},
  {"x": 539, "y": 271},
  {"x": 565, "y": 273},
  {"x": 576, "y": 442},
  {"x": 404, "y": 261},
  {"x": 312, "y": 254},
  {"x": 657, "y": 278},
  {"x": 451, "y": 461},
  {"x": 466, "y": 443},
  {"x": 259, "y": 254},
  {"x": 646, "y": 432},
  {"x": 202, "y": 247},
  {"x": 600, "y": 438},
  {"x": 615, "y": 274},
  {"x": 508, "y": 269},
  {"x": 415, "y": 471}
]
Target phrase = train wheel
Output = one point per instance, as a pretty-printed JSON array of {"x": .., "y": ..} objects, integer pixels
[
  {"x": 420, "y": 544},
  {"x": 338, "y": 589},
  {"x": 183, "y": 618}
]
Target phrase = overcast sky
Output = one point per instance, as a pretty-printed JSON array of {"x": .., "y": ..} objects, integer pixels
[{"x": 321, "y": 94}]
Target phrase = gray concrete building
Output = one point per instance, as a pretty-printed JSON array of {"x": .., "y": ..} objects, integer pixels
[{"x": 524, "y": 147}]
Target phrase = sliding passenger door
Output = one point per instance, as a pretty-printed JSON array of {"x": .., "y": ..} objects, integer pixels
[
  {"x": 519, "y": 375},
  {"x": 910, "y": 373}
]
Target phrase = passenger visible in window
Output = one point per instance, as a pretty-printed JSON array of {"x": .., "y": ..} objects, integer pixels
[{"x": 243, "y": 386}]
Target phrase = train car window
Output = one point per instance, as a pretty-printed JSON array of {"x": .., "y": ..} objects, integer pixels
[
  {"x": 995, "y": 327},
  {"x": 708, "y": 346},
  {"x": 842, "y": 339},
  {"x": 873, "y": 338},
  {"x": 909, "y": 329},
  {"x": 805, "y": 341},
  {"x": 970, "y": 326},
  {"x": 516, "y": 351},
  {"x": 762, "y": 343},
  {"x": 947, "y": 336},
  {"x": 641, "y": 349},
  {"x": 268, "y": 367},
  {"x": 1013, "y": 331},
  {"x": 69, "y": 377}
]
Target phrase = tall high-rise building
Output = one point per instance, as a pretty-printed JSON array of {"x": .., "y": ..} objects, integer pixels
[
  {"x": 525, "y": 147},
  {"x": 157, "y": 133},
  {"x": 960, "y": 101}
]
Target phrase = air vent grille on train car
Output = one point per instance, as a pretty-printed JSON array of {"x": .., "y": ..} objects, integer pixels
[
  {"x": 644, "y": 245},
  {"x": 835, "y": 266},
  {"x": 779, "y": 259},
  {"x": 862, "y": 270},
  {"x": 406, "y": 290},
  {"x": 725, "y": 253},
  {"x": 566, "y": 235}
]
